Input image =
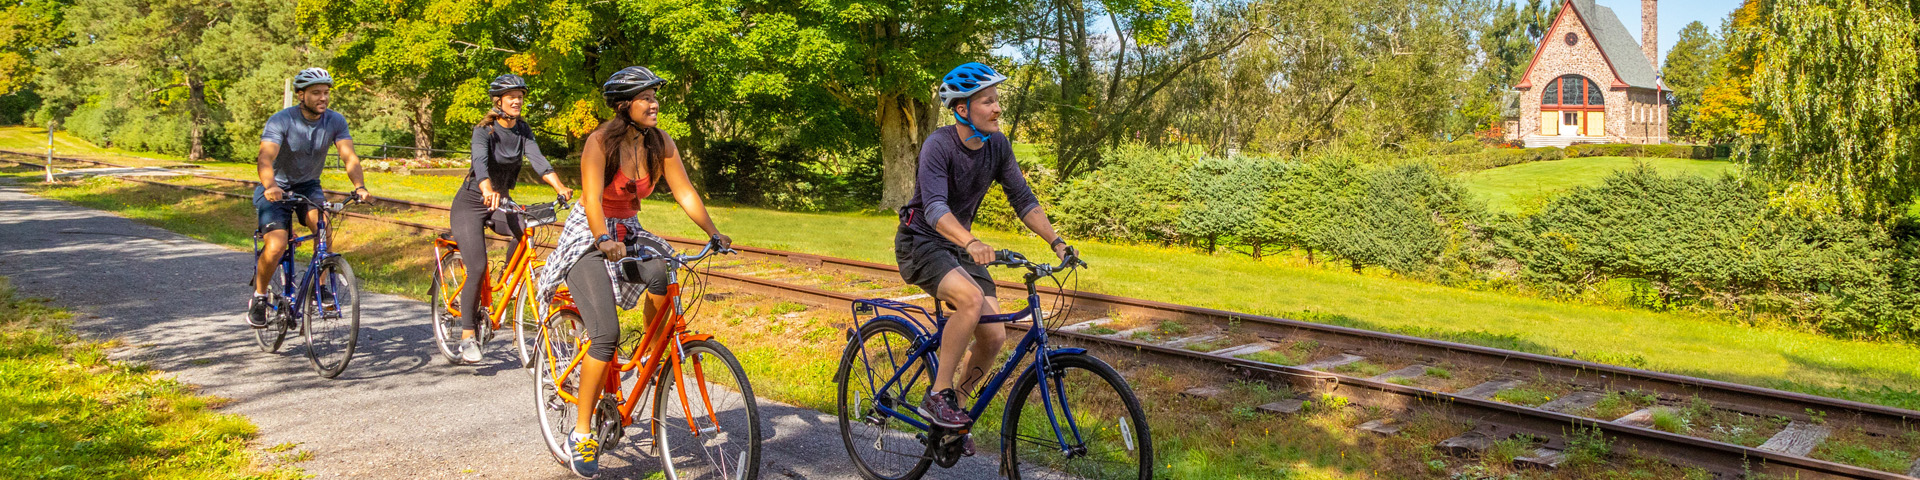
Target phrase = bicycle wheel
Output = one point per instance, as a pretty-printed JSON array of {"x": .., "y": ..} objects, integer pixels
[
  {"x": 558, "y": 342},
  {"x": 1106, "y": 438},
  {"x": 445, "y": 304},
  {"x": 726, "y": 444},
  {"x": 332, "y": 324},
  {"x": 882, "y": 447},
  {"x": 275, "y": 333}
]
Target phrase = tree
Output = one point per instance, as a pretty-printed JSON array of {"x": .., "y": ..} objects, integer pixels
[
  {"x": 136, "y": 70},
  {"x": 1688, "y": 71},
  {"x": 1838, "y": 84}
]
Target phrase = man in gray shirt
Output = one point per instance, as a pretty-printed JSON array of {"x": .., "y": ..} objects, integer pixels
[{"x": 293, "y": 149}]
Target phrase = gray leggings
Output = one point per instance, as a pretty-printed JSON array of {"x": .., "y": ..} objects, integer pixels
[
  {"x": 469, "y": 220},
  {"x": 593, "y": 295}
]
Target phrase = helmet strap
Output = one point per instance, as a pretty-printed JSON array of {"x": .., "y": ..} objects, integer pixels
[{"x": 963, "y": 121}]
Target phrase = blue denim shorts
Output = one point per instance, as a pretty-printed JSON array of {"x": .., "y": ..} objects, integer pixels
[{"x": 275, "y": 216}]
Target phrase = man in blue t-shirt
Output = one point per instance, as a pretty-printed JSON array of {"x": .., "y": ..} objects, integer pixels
[
  {"x": 293, "y": 149},
  {"x": 935, "y": 246}
]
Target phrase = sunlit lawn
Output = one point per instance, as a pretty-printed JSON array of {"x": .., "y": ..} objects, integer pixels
[{"x": 1527, "y": 186}]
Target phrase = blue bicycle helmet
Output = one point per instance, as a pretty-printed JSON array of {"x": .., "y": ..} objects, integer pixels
[{"x": 961, "y": 84}]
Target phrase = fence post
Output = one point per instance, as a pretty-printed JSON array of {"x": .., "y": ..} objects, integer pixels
[{"x": 50, "y": 125}]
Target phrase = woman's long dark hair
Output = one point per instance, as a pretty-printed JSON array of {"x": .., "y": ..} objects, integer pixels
[{"x": 617, "y": 131}]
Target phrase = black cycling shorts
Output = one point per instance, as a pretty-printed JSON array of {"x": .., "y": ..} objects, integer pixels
[{"x": 924, "y": 261}]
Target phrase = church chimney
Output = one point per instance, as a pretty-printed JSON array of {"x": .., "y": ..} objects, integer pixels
[{"x": 1650, "y": 31}]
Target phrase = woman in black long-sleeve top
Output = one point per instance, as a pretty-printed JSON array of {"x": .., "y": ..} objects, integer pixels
[{"x": 500, "y": 142}]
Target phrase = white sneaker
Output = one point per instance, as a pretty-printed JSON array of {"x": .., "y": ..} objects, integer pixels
[{"x": 469, "y": 351}]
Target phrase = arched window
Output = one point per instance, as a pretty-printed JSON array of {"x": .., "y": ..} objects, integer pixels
[{"x": 1572, "y": 91}]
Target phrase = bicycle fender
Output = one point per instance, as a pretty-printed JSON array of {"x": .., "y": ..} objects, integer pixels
[
  {"x": 694, "y": 337},
  {"x": 911, "y": 326},
  {"x": 1065, "y": 351}
]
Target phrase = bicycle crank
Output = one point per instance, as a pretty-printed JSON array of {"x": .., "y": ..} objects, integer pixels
[{"x": 608, "y": 427}]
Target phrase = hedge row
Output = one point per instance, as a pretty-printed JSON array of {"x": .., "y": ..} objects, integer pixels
[{"x": 1497, "y": 158}]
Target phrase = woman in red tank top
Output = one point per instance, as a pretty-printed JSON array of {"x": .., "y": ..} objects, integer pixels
[{"x": 623, "y": 160}]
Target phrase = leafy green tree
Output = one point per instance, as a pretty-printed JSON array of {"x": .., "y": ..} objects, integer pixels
[
  {"x": 27, "y": 29},
  {"x": 1838, "y": 84},
  {"x": 139, "y": 72},
  {"x": 1223, "y": 198},
  {"x": 1690, "y": 68}
]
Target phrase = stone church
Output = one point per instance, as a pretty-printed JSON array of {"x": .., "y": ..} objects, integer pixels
[{"x": 1589, "y": 82}]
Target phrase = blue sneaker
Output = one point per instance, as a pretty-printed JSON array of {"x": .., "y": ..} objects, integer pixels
[{"x": 586, "y": 455}]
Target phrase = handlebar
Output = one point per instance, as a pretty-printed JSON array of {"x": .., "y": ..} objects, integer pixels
[
  {"x": 508, "y": 205},
  {"x": 330, "y": 207},
  {"x": 1009, "y": 258},
  {"x": 638, "y": 252}
]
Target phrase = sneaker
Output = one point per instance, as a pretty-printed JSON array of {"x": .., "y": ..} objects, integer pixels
[
  {"x": 585, "y": 453},
  {"x": 470, "y": 351},
  {"x": 257, "y": 311},
  {"x": 943, "y": 409}
]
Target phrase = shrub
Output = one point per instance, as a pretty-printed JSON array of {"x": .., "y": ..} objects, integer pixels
[
  {"x": 1133, "y": 198},
  {"x": 1629, "y": 150},
  {"x": 786, "y": 177},
  {"x": 1717, "y": 243},
  {"x": 1496, "y": 158}
]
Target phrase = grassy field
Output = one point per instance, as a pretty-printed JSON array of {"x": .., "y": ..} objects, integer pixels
[
  {"x": 68, "y": 412},
  {"x": 1708, "y": 347},
  {"x": 1528, "y": 186}
]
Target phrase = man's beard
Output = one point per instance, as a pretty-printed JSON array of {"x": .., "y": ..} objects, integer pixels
[{"x": 310, "y": 110}]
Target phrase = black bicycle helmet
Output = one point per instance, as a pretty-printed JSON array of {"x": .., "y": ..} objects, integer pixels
[
  {"x": 506, "y": 83},
  {"x": 627, "y": 83}
]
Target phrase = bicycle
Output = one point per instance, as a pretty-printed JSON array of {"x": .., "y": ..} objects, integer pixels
[
  {"x": 327, "y": 293},
  {"x": 1085, "y": 423},
  {"x": 515, "y": 284},
  {"x": 728, "y": 447}
]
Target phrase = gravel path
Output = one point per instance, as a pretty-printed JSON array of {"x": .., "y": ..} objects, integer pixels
[{"x": 398, "y": 410}]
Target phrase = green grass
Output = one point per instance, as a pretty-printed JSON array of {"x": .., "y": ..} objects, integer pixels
[
  {"x": 1527, "y": 186},
  {"x": 1703, "y": 346},
  {"x": 1523, "y": 396},
  {"x": 68, "y": 412}
]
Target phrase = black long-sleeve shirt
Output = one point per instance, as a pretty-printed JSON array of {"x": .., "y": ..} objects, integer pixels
[
  {"x": 953, "y": 179},
  {"x": 497, "y": 153}
]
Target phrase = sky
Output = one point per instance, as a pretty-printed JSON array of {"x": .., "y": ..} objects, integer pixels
[{"x": 1674, "y": 14}]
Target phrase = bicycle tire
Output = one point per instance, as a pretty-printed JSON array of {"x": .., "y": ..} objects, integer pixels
[
  {"x": 523, "y": 341},
  {"x": 558, "y": 341},
  {"x": 275, "y": 333},
  {"x": 887, "y": 442},
  {"x": 1132, "y": 459},
  {"x": 447, "y": 280},
  {"x": 719, "y": 455},
  {"x": 331, "y": 340}
]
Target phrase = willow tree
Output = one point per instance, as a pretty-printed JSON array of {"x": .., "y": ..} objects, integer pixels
[{"x": 1838, "y": 85}]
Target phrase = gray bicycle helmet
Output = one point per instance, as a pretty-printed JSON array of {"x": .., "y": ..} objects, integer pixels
[
  {"x": 310, "y": 77},
  {"x": 506, "y": 83},
  {"x": 627, "y": 83}
]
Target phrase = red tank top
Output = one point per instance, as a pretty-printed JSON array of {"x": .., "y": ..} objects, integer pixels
[{"x": 622, "y": 198}]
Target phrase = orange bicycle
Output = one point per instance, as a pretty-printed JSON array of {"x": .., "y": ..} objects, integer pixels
[
  {"x": 711, "y": 430},
  {"x": 515, "y": 284}
]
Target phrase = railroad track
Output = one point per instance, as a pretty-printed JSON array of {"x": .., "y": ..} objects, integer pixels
[{"x": 1267, "y": 349}]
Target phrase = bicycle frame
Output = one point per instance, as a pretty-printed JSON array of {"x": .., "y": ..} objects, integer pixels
[
  {"x": 668, "y": 326},
  {"x": 292, "y": 291},
  {"x": 1034, "y": 342},
  {"x": 519, "y": 268}
]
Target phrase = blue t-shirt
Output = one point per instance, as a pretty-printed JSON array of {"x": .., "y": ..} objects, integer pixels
[{"x": 303, "y": 143}]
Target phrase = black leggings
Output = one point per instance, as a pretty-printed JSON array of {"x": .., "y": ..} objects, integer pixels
[
  {"x": 593, "y": 294},
  {"x": 469, "y": 218}
]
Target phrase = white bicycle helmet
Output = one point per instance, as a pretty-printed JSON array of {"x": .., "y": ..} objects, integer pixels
[{"x": 310, "y": 77}]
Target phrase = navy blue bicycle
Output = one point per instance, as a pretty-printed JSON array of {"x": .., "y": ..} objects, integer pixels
[
  {"x": 1069, "y": 414},
  {"x": 323, "y": 304}
]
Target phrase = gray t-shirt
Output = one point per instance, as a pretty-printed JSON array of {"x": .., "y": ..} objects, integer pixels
[{"x": 303, "y": 143}]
